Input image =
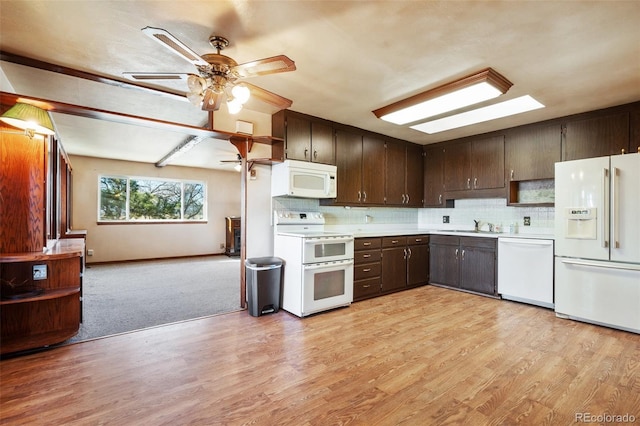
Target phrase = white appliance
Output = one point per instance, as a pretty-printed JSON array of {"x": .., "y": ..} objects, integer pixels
[
  {"x": 597, "y": 267},
  {"x": 318, "y": 272},
  {"x": 525, "y": 270},
  {"x": 303, "y": 179}
]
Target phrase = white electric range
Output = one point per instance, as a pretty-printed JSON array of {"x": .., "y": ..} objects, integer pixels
[{"x": 318, "y": 271}]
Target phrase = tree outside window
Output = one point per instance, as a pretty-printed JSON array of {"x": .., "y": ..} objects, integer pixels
[{"x": 146, "y": 199}]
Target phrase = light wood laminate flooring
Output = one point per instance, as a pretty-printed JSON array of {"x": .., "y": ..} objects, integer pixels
[{"x": 424, "y": 356}]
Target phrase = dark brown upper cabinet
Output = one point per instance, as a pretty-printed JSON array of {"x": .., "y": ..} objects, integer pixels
[
  {"x": 403, "y": 174},
  {"x": 306, "y": 138},
  {"x": 531, "y": 152},
  {"x": 596, "y": 137},
  {"x": 434, "y": 176},
  {"x": 474, "y": 165}
]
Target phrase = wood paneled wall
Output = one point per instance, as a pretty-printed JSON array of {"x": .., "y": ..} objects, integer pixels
[{"x": 22, "y": 191}]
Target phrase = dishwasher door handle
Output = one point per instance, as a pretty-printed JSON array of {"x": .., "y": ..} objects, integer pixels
[{"x": 532, "y": 242}]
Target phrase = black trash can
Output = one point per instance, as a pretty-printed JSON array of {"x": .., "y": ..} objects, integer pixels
[{"x": 264, "y": 283}]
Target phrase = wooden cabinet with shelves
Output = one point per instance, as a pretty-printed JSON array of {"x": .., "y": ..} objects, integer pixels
[
  {"x": 403, "y": 174},
  {"x": 306, "y": 138},
  {"x": 475, "y": 168},
  {"x": 434, "y": 177},
  {"x": 367, "y": 268},
  {"x": 465, "y": 263},
  {"x": 597, "y": 136},
  {"x": 44, "y": 311}
]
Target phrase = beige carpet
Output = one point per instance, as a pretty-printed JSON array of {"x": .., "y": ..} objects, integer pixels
[{"x": 133, "y": 295}]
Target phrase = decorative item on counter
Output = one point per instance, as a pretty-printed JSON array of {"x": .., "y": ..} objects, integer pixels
[{"x": 513, "y": 228}]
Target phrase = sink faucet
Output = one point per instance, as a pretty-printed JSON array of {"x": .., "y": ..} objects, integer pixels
[{"x": 477, "y": 222}]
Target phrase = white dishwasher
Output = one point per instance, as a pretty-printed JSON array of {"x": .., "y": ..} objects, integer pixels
[{"x": 525, "y": 270}]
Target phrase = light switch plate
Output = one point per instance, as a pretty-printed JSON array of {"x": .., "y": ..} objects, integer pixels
[{"x": 39, "y": 272}]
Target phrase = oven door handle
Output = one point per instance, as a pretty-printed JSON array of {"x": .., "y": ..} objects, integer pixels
[{"x": 325, "y": 265}]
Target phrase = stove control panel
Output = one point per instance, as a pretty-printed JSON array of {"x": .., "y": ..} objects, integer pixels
[{"x": 298, "y": 218}]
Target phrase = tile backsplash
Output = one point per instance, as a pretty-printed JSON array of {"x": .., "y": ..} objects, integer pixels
[{"x": 493, "y": 210}]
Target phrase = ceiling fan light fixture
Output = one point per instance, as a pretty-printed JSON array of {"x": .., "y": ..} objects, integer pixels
[
  {"x": 196, "y": 83},
  {"x": 195, "y": 98},
  {"x": 479, "y": 115},
  {"x": 484, "y": 85},
  {"x": 234, "y": 105},
  {"x": 241, "y": 93}
]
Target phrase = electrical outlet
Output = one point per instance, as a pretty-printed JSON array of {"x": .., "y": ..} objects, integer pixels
[
  {"x": 221, "y": 246},
  {"x": 445, "y": 219},
  {"x": 90, "y": 252},
  {"x": 39, "y": 272},
  {"x": 527, "y": 220}
]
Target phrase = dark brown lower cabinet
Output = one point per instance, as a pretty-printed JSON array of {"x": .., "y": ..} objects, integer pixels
[
  {"x": 466, "y": 263},
  {"x": 405, "y": 262}
]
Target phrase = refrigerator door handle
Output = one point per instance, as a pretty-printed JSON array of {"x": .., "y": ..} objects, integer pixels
[
  {"x": 614, "y": 208},
  {"x": 607, "y": 265},
  {"x": 604, "y": 222}
]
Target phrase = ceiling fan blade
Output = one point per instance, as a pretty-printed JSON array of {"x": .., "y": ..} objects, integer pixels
[
  {"x": 269, "y": 97},
  {"x": 143, "y": 76},
  {"x": 212, "y": 101},
  {"x": 176, "y": 46},
  {"x": 272, "y": 65}
]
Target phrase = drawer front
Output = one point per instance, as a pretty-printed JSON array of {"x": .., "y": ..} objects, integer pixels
[
  {"x": 481, "y": 242},
  {"x": 448, "y": 240},
  {"x": 366, "y": 243},
  {"x": 365, "y": 288},
  {"x": 416, "y": 240},
  {"x": 366, "y": 256},
  {"x": 369, "y": 270},
  {"x": 394, "y": 242}
]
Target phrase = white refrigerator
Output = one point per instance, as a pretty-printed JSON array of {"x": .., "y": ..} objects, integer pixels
[{"x": 597, "y": 247}]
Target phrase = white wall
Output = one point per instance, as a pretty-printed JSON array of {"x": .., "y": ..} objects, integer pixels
[{"x": 116, "y": 242}]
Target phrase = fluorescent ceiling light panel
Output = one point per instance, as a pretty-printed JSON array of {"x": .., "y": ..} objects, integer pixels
[
  {"x": 449, "y": 102},
  {"x": 491, "y": 112},
  {"x": 476, "y": 88}
]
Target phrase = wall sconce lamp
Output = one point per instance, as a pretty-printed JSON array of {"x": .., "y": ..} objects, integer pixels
[
  {"x": 470, "y": 90},
  {"x": 30, "y": 118}
]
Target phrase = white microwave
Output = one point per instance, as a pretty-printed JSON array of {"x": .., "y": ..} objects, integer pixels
[{"x": 303, "y": 179}]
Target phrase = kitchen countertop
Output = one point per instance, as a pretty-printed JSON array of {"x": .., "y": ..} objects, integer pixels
[{"x": 389, "y": 230}]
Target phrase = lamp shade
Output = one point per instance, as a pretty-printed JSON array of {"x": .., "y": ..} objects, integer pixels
[{"x": 29, "y": 117}]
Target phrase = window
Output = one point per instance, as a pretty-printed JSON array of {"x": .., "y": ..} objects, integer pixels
[{"x": 139, "y": 199}]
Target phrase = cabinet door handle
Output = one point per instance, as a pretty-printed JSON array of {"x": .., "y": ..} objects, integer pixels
[
  {"x": 364, "y": 200},
  {"x": 366, "y": 256},
  {"x": 407, "y": 198},
  {"x": 402, "y": 198},
  {"x": 469, "y": 183},
  {"x": 367, "y": 243},
  {"x": 394, "y": 241},
  {"x": 418, "y": 240},
  {"x": 306, "y": 151},
  {"x": 440, "y": 199},
  {"x": 366, "y": 286},
  {"x": 475, "y": 183},
  {"x": 405, "y": 253},
  {"x": 315, "y": 154},
  {"x": 359, "y": 196},
  {"x": 366, "y": 270},
  {"x": 512, "y": 174},
  {"x": 409, "y": 250},
  {"x": 457, "y": 251},
  {"x": 462, "y": 254}
]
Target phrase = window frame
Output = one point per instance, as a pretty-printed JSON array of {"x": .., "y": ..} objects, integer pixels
[{"x": 129, "y": 221}]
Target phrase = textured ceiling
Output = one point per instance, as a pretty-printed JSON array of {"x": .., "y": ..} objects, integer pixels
[{"x": 352, "y": 57}]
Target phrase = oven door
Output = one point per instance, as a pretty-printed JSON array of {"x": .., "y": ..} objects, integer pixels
[
  {"x": 327, "y": 285},
  {"x": 327, "y": 249}
]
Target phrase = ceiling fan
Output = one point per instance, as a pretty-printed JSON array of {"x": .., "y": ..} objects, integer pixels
[
  {"x": 219, "y": 76},
  {"x": 237, "y": 162}
]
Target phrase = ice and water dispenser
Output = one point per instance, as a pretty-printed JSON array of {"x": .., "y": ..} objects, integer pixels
[{"x": 581, "y": 223}]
